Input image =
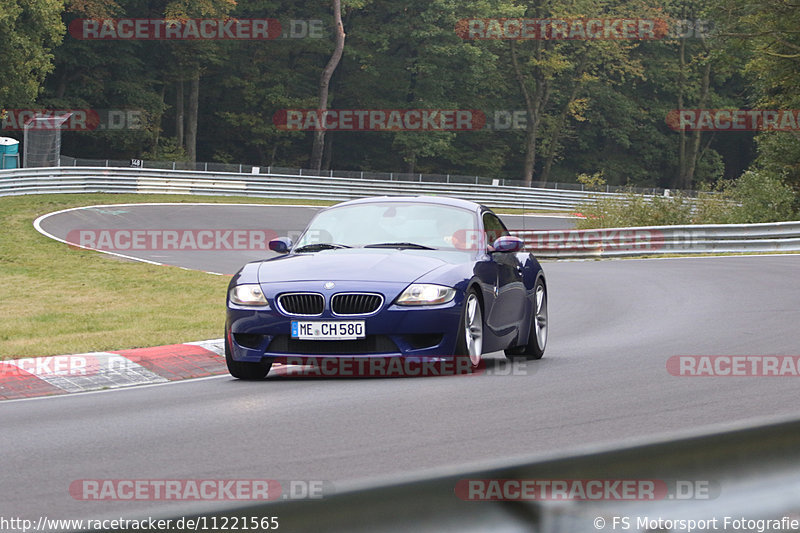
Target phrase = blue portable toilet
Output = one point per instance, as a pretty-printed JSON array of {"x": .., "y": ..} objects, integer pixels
[{"x": 9, "y": 153}]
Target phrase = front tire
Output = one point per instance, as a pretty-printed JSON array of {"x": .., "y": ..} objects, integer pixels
[
  {"x": 469, "y": 344},
  {"x": 537, "y": 336},
  {"x": 245, "y": 370}
]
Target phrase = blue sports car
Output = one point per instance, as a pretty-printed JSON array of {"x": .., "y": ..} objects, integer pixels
[{"x": 416, "y": 278}]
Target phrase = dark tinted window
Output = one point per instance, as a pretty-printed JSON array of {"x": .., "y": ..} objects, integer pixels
[{"x": 493, "y": 227}]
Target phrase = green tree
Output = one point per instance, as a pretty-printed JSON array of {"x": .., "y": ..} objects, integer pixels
[
  {"x": 29, "y": 29},
  {"x": 191, "y": 59},
  {"x": 768, "y": 29},
  {"x": 106, "y": 74},
  {"x": 553, "y": 75}
]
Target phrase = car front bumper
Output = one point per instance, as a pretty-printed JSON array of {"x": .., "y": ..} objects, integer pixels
[{"x": 419, "y": 332}]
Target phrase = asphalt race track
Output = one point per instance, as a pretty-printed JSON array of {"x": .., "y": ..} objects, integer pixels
[
  {"x": 272, "y": 220},
  {"x": 603, "y": 381}
]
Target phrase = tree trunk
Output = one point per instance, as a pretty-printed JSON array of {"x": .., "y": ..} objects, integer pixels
[
  {"x": 533, "y": 105},
  {"x": 157, "y": 122},
  {"x": 679, "y": 178},
  {"x": 326, "y": 162},
  {"x": 324, "y": 83},
  {"x": 61, "y": 88},
  {"x": 694, "y": 154},
  {"x": 411, "y": 163},
  {"x": 530, "y": 153},
  {"x": 179, "y": 114},
  {"x": 191, "y": 126}
]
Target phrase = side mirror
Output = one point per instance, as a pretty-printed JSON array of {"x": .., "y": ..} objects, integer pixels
[
  {"x": 282, "y": 245},
  {"x": 508, "y": 243}
]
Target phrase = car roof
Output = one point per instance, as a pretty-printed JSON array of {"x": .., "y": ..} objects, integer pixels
[{"x": 438, "y": 200}]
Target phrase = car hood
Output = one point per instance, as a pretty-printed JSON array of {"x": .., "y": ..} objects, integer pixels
[{"x": 357, "y": 264}]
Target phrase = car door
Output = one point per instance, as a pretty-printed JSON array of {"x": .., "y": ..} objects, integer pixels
[{"x": 508, "y": 309}]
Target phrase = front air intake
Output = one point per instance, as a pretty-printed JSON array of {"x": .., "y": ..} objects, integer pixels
[
  {"x": 356, "y": 303},
  {"x": 301, "y": 303}
]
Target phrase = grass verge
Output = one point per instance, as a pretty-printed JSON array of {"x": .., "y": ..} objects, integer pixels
[{"x": 58, "y": 300}]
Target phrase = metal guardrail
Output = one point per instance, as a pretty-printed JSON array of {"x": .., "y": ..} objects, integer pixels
[
  {"x": 154, "y": 181},
  {"x": 67, "y": 161},
  {"x": 776, "y": 237},
  {"x": 750, "y": 473},
  {"x": 683, "y": 240}
]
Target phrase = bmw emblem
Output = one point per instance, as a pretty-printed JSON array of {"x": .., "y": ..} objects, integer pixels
[{"x": 329, "y": 285}]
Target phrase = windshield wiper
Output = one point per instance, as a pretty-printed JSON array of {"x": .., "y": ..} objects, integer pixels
[
  {"x": 316, "y": 247},
  {"x": 399, "y": 245}
]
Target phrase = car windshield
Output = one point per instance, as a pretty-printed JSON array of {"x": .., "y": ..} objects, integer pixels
[{"x": 391, "y": 225}]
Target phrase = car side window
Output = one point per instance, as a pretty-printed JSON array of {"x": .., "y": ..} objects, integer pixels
[{"x": 493, "y": 227}]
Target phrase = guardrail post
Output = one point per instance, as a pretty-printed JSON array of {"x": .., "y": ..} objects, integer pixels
[{"x": 106, "y": 162}]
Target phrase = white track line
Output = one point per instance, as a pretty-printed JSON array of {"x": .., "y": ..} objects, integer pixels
[
  {"x": 37, "y": 224},
  {"x": 104, "y": 391}
]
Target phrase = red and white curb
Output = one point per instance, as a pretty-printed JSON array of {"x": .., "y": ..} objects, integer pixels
[{"x": 63, "y": 374}]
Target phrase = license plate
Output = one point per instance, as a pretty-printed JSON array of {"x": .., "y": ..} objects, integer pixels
[{"x": 328, "y": 330}]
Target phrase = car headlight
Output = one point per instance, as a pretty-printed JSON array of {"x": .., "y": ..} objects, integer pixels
[
  {"x": 426, "y": 294},
  {"x": 248, "y": 294}
]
